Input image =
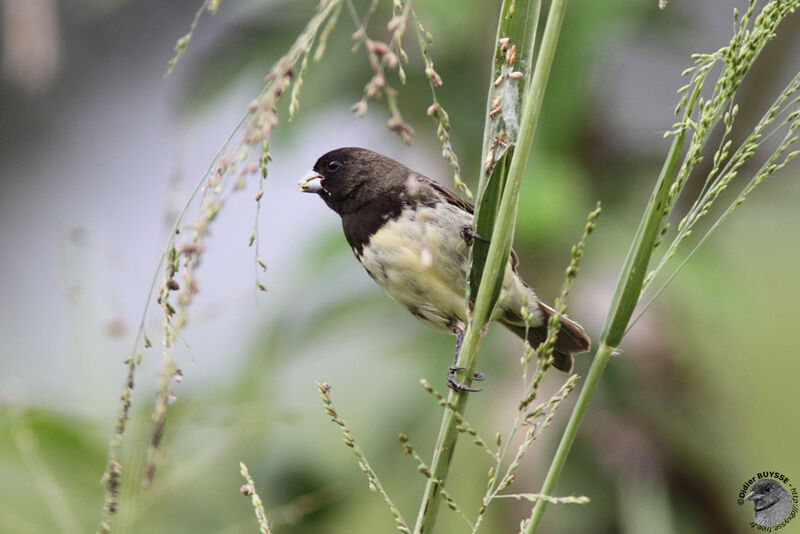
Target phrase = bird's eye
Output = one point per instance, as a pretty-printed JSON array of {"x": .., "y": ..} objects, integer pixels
[
  {"x": 767, "y": 489},
  {"x": 334, "y": 165}
]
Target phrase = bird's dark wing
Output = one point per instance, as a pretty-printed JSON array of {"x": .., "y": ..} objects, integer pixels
[
  {"x": 571, "y": 338},
  {"x": 445, "y": 194}
]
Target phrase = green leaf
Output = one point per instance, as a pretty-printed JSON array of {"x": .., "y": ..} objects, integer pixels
[{"x": 484, "y": 223}]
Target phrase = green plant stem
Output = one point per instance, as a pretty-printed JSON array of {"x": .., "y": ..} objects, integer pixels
[
  {"x": 631, "y": 278},
  {"x": 599, "y": 362},
  {"x": 499, "y": 248},
  {"x": 626, "y": 296}
]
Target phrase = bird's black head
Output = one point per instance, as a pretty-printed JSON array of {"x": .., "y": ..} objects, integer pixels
[
  {"x": 764, "y": 493},
  {"x": 350, "y": 179}
]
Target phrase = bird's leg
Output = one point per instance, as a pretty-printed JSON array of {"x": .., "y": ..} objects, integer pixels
[
  {"x": 452, "y": 382},
  {"x": 469, "y": 235}
]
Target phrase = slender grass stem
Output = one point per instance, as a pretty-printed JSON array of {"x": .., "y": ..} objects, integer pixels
[{"x": 599, "y": 363}]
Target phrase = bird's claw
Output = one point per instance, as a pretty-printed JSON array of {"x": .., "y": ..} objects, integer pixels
[
  {"x": 455, "y": 385},
  {"x": 468, "y": 234}
]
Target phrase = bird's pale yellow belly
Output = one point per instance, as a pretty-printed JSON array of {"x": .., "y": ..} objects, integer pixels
[{"x": 420, "y": 260}]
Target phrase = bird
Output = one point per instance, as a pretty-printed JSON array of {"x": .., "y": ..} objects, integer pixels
[
  {"x": 771, "y": 502},
  {"x": 412, "y": 236}
]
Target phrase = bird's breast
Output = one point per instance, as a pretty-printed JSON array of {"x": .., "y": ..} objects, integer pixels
[{"x": 420, "y": 259}]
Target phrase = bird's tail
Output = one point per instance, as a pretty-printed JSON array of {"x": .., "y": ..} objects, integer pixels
[{"x": 571, "y": 338}]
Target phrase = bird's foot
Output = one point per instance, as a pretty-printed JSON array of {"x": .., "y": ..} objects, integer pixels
[
  {"x": 455, "y": 385},
  {"x": 468, "y": 234}
]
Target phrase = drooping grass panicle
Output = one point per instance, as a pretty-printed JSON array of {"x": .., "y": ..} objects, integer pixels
[
  {"x": 248, "y": 489},
  {"x": 180, "y": 46},
  {"x": 223, "y": 180},
  {"x": 384, "y": 57},
  {"x": 243, "y": 154},
  {"x": 374, "y": 483},
  {"x": 436, "y": 110},
  {"x": 319, "y": 52},
  {"x": 361, "y": 23},
  {"x": 113, "y": 473}
]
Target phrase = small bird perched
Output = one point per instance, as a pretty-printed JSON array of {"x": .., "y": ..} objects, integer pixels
[
  {"x": 771, "y": 502},
  {"x": 413, "y": 236}
]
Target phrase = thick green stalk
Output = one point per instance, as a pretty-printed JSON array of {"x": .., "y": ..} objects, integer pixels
[
  {"x": 629, "y": 289},
  {"x": 631, "y": 278},
  {"x": 515, "y": 43},
  {"x": 496, "y": 260}
]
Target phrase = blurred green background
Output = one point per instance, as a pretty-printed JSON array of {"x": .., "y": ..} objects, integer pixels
[{"x": 98, "y": 152}]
